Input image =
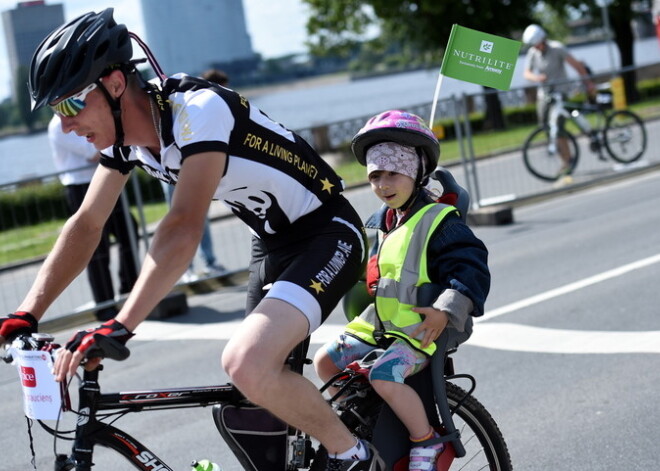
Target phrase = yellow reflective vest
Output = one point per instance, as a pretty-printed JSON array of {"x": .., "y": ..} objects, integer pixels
[{"x": 402, "y": 258}]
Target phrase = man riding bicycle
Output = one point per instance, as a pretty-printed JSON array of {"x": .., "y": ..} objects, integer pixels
[
  {"x": 545, "y": 64},
  {"x": 308, "y": 244}
]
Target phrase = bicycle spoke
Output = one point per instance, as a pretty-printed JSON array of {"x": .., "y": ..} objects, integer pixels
[
  {"x": 542, "y": 154},
  {"x": 625, "y": 136}
]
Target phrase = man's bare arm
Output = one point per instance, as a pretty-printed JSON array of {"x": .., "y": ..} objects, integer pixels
[
  {"x": 76, "y": 243},
  {"x": 177, "y": 236}
]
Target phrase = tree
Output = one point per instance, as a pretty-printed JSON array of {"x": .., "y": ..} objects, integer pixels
[
  {"x": 336, "y": 25},
  {"x": 620, "y": 14}
]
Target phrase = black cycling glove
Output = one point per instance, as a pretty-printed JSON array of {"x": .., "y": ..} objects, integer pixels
[
  {"x": 16, "y": 324},
  {"x": 84, "y": 341}
]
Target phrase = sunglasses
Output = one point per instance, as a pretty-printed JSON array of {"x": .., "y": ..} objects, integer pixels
[{"x": 70, "y": 107}]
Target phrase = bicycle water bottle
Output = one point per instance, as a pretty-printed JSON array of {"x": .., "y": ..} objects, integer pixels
[
  {"x": 205, "y": 465},
  {"x": 581, "y": 121}
]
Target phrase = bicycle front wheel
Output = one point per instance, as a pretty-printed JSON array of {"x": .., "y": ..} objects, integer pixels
[
  {"x": 483, "y": 441},
  {"x": 624, "y": 136},
  {"x": 543, "y": 158}
]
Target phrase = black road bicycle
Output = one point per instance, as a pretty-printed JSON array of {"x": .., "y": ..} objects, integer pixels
[
  {"x": 474, "y": 441},
  {"x": 620, "y": 132}
]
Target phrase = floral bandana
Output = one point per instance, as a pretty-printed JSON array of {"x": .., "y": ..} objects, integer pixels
[{"x": 392, "y": 157}]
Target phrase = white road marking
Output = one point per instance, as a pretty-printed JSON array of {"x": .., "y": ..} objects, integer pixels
[
  {"x": 158, "y": 330},
  {"x": 553, "y": 293},
  {"x": 525, "y": 338},
  {"x": 499, "y": 336}
]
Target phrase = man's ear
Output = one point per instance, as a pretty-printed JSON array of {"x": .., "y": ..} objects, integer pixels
[{"x": 115, "y": 83}]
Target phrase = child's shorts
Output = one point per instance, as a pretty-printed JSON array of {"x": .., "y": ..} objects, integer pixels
[{"x": 398, "y": 362}]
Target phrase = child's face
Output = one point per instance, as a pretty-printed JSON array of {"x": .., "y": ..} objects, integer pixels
[{"x": 392, "y": 188}]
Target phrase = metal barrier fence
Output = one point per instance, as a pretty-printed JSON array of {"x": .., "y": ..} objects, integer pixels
[{"x": 487, "y": 162}]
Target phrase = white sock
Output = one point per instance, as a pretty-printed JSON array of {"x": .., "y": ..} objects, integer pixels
[{"x": 357, "y": 452}]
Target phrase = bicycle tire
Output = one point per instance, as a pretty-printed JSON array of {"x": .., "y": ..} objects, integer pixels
[
  {"x": 624, "y": 136},
  {"x": 481, "y": 437},
  {"x": 544, "y": 164},
  {"x": 483, "y": 441}
]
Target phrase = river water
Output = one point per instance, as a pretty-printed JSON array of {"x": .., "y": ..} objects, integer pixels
[{"x": 330, "y": 101}]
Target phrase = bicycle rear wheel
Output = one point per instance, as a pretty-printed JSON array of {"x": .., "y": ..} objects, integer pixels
[
  {"x": 624, "y": 136},
  {"x": 483, "y": 441},
  {"x": 543, "y": 161}
]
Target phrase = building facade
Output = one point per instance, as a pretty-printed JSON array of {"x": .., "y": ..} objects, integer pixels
[
  {"x": 25, "y": 27},
  {"x": 191, "y": 37}
]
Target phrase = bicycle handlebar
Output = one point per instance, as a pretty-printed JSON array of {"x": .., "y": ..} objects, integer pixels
[{"x": 106, "y": 347}]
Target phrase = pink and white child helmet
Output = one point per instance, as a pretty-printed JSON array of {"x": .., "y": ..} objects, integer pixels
[{"x": 400, "y": 127}]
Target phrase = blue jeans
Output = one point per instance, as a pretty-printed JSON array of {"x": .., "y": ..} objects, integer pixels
[{"x": 206, "y": 244}]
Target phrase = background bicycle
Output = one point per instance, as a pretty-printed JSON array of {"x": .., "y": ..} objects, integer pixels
[{"x": 553, "y": 150}]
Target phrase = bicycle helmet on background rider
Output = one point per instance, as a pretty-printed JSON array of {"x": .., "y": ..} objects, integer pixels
[
  {"x": 533, "y": 35},
  {"x": 76, "y": 55},
  {"x": 403, "y": 128}
]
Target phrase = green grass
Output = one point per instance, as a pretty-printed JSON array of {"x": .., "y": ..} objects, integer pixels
[{"x": 29, "y": 242}]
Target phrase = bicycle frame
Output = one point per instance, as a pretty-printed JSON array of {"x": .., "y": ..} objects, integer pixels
[
  {"x": 94, "y": 407},
  {"x": 90, "y": 431}
]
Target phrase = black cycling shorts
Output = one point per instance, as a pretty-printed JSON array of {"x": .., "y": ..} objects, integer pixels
[{"x": 312, "y": 272}]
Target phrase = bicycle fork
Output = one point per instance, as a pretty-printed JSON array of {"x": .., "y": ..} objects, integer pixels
[
  {"x": 83, "y": 448},
  {"x": 90, "y": 432}
]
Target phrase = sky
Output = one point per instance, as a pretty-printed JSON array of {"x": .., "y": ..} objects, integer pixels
[{"x": 276, "y": 27}]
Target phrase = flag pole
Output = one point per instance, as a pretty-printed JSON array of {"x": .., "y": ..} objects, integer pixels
[{"x": 435, "y": 98}]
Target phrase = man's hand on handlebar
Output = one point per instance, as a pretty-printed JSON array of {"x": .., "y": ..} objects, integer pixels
[
  {"x": 17, "y": 324},
  {"x": 84, "y": 344}
]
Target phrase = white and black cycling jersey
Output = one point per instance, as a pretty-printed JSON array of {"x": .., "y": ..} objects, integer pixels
[{"x": 272, "y": 177}]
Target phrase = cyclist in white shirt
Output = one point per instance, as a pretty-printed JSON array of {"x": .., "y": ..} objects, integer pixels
[
  {"x": 308, "y": 244},
  {"x": 545, "y": 64}
]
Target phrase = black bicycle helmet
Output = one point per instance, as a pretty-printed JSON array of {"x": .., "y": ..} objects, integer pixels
[{"x": 76, "y": 54}]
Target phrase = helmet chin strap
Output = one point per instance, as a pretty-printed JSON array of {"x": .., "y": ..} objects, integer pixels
[
  {"x": 115, "y": 107},
  {"x": 420, "y": 180}
]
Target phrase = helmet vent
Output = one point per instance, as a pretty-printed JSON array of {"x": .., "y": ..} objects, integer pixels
[
  {"x": 101, "y": 50},
  {"x": 54, "y": 40}
]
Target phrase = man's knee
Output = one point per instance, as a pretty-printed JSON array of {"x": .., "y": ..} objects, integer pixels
[{"x": 249, "y": 373}]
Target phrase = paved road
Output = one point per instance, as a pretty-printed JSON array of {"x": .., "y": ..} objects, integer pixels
[{"x": 566, "y": 356}]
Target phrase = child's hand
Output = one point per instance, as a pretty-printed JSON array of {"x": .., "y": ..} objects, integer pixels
[{"x": 432, "y": 326}]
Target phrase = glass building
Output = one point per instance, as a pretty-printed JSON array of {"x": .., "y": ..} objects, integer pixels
[
  {"x": 25, "y": 27},
  {"x": 193, "y": 36}
]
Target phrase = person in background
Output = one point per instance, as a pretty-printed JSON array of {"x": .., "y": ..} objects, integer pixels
[
  {"x": 71, "y": 152},
  {"x": 545, "y": 64},
  {"x": 419, "y": 242},
  {"x": 216, "y": 76}
]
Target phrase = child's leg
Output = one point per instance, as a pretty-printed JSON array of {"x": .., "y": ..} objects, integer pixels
[
  {"x": 387, "y": 378},
  {"x": 334, "y": 356}
]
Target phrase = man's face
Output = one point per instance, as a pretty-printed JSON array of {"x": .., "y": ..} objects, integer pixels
[
  {"x": 88, "y": 114},
  {"x": 540, "y": 46}
]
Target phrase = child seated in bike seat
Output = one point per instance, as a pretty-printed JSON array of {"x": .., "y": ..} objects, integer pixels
[{"x": 419, "y": 241}]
